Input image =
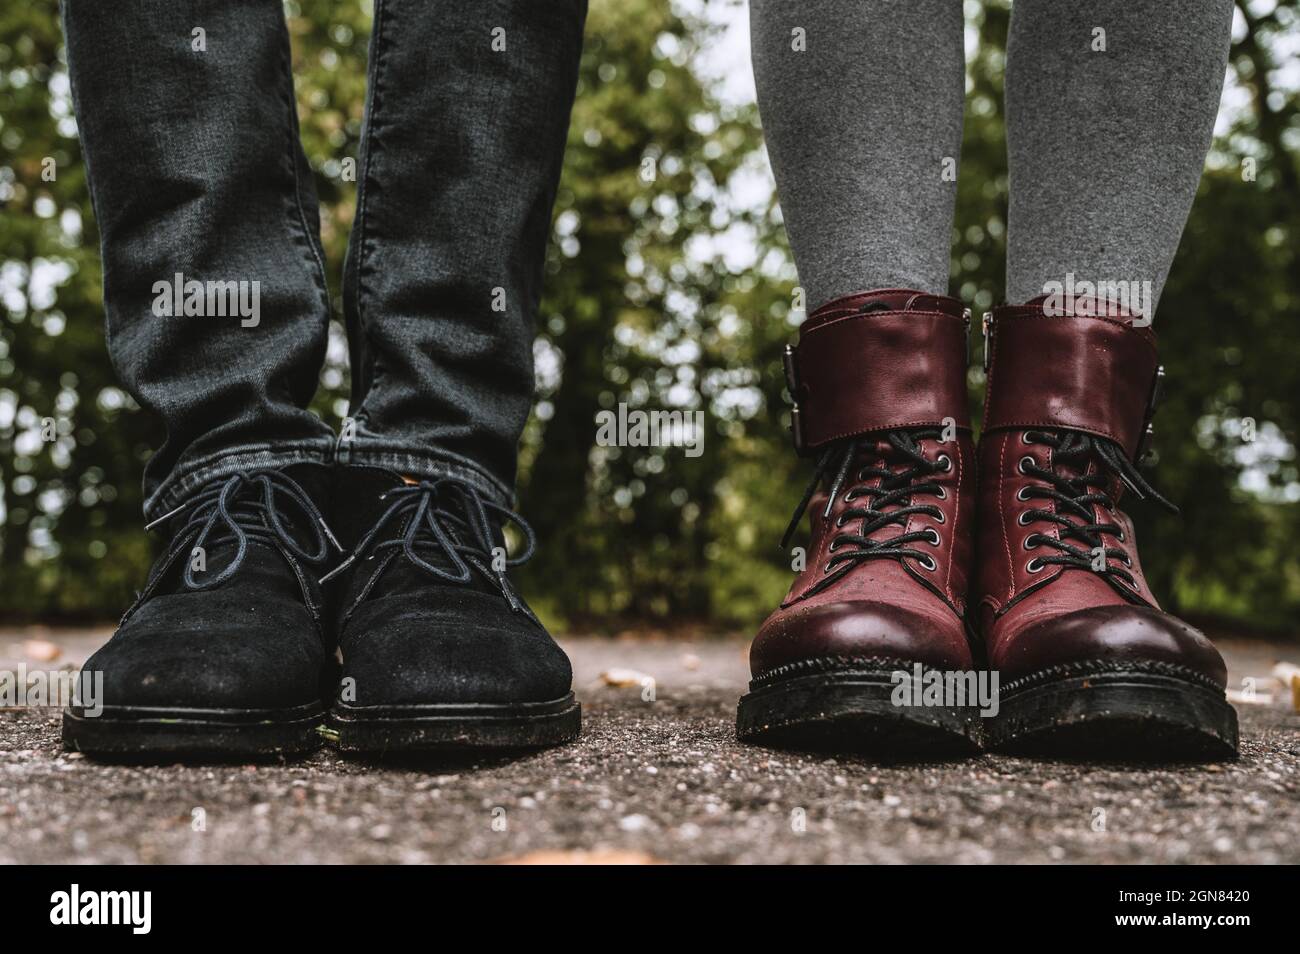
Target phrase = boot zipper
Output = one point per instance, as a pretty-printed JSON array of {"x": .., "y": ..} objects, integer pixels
[{"x": 987, "y": 325}]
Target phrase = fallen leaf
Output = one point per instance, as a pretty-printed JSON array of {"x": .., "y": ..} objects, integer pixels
[
  {"x": 1285, "y": 672},
  {"x": 624, "y": 677},
  {"x": 1289, "y": 674},
  {"x": 1253, "y": 698},
  {"x": 41, "y": 650}
]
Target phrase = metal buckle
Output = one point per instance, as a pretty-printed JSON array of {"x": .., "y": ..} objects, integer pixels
[
  {"x": 792, "y": 385},
  {"x": 1148, "y": 430}
]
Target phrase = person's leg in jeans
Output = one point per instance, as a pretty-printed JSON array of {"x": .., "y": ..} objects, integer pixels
[
  {"x": 1110, "y": 110},
  {"x": 466, "y": 117},
  {"x": 862, "y": 111},
  {"x": 216, "y": 323}
]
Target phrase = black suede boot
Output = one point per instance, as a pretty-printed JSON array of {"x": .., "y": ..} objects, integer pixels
[
  {"x": 224, "y": 652},
  {"x": 439, "y": 651}
]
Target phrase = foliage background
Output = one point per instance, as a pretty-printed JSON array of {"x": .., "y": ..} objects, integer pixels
[{"x": 674, "y": 293}]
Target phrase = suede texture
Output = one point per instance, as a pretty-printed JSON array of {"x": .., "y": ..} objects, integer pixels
[
  {"x": 408, "y": 638},
  {"x": 251, "y": 642}
]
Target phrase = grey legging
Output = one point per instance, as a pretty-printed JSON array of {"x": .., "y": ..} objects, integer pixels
[{"x": 1105, "y": 148}]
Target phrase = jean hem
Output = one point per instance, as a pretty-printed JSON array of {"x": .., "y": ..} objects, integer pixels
[
  {"x": 412, "y": 461},
  {"x": 191, "y": 477}
]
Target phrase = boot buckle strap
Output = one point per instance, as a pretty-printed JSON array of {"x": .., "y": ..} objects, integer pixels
[{"x": 868, "y": 371}]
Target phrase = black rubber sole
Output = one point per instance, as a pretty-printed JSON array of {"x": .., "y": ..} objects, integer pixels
[
  {"x": 137, "y": 731},
  {"x": 1115, "y": 713},
  {"x": 455, "y": 728},
  {"x": 852, "y": 711}
]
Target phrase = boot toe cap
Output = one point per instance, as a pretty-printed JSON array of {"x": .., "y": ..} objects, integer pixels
[
  {"x": 174, "y": 654},
  {"x": 1109, "y": 634},
  {"x": 465, "y": 648},
  {"x": 863, "y": 629}
]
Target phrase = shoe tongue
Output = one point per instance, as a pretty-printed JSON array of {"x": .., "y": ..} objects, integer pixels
[{"x": 357, "y": 501}]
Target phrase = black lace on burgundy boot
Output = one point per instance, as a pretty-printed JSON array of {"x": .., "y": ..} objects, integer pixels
[
  {"x": 1075, "y": 502},
  {"x": 891, "y": 496}
]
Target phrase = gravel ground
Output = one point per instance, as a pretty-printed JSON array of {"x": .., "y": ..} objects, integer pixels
[{"x": 659, "y": 779}]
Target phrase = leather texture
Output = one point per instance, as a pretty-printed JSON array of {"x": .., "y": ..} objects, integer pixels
[
  {"x": 1085, "y": 372},
  {"x": 906, "y": 609},
  {"x": 1034, "y": 616},
  {"x": 860, "y": 371}
]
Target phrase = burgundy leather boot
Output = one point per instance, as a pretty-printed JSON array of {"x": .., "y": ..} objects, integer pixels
[
  {"x": 1088, "y": 663},
  {"x": 879, "y": 384}
]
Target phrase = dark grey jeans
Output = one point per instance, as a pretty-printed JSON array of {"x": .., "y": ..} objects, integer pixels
[{"x": 214, "y": 279}]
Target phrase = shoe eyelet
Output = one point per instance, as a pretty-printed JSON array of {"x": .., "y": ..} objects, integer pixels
[
  {"x": 1121, "y": 537},
  {"x": 1024, "y": 519},
  {"x": 946, "y": 461},
  {"x": 1025, "y": 461},
  {"x": 839, "y": 522},
  {"x": 934, "y": 538},
  {"x": 1034, "y": 566},
  {"x": 941, "y": 494},
  {"x": 1022, "y": 494},
  {"x": 835, "y": 544},
  {"x": 927, "y": 563},
  {"x": 1128, "y": 561},
  {"x": 1031, "y": 541},
  {"x": 827, "y": 568},
  {"x": 1024, "y": 438},
  {"x": 940, "y": 518}
]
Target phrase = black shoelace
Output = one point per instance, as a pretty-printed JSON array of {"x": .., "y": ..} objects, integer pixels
[
  {"x": 1076, "y": 499},
  {"x": 242, "y": 508},
  {"x": 445, "y": 529},
  {"x": 890, "y": 502}
]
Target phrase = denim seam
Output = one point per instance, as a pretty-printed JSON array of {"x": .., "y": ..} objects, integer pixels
[
  {"x": 191, "y": 477},
  {"x": 375, "y": 92},
  {"x": 294, "y": 142}
]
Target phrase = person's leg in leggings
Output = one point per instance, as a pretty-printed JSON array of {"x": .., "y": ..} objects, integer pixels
[
  {"x": 466, "y": 120},
  {"x": 195, "y": 169},
  {"x": 1105, "y": 147},
  {"x": 466, "y": 117},
  {"x": 862, "y": 104}
]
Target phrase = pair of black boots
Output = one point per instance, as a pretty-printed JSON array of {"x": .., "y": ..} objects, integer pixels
[{"x": 263, "y": 629}]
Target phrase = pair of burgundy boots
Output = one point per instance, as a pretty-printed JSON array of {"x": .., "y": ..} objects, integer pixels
[{"x": 930, "y": 561}]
